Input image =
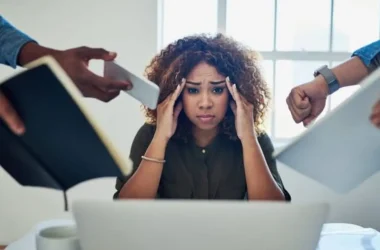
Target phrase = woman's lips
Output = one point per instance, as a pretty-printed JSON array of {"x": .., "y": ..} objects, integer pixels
[{"x": 205, "y": 118}]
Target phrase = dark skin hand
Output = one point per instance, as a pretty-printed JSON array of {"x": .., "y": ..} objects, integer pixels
[
  {"x": 75, "y": 63},
  {"x": 375, "y": 115}
]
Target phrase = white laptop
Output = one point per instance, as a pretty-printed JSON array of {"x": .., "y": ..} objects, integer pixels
[
  {"x": 200, "y": 225},
  {"x": 342, "y": 149}
]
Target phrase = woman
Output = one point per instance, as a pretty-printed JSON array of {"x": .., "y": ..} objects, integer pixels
[{"x": 205, "y": 140}]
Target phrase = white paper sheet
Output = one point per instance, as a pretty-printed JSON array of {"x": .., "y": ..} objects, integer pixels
[{"x": 342, "y": 149}]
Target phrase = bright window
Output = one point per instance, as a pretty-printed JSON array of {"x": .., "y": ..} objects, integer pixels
[
  {"x": 183, "y": 17},
  {"x": 294, "y": 37},
  {"x": 251, "y": 22}
]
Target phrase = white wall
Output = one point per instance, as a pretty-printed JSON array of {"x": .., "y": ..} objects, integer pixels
[
  {"x": 130, "y": 28},
  {"x": 126, "y": 26}
]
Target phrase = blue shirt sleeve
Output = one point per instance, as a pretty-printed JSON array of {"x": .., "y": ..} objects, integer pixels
[
  {"x": 368, "y": 52},
  {"x": 11, "y": 42}
]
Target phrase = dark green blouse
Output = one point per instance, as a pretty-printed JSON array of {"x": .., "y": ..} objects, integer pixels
[{"x": 192, "y": 172}]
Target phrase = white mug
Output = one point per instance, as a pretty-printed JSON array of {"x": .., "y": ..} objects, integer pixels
[{"x": 58, "y": 238}]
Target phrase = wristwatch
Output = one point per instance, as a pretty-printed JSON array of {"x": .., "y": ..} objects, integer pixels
[{"x": 331, "y": 80}]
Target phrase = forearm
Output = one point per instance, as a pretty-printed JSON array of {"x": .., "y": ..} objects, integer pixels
[
  {"x": 144, "y": 183},
  {"x": 364, "y": 60},
  {"x": 32, "y": 51},
  {"x": 348, "y": 73},
  {"x": 260, "y": 182},
  {"x": 351, "y": 72}
]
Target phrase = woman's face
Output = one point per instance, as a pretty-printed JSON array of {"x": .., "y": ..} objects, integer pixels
[{"x": 205, "y": 97}]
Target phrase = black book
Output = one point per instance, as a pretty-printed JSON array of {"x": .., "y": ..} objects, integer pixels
[{"x": 62, "y": 146}]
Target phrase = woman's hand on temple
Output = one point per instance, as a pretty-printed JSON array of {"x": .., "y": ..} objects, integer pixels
[
  {"x": 243, "y": 111},
  {"x": 167, "y": 114}
]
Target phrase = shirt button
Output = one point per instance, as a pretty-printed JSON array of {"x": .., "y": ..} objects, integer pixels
[{"x": 203, "y": 150}]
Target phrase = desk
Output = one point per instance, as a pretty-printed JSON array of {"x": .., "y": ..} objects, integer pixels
[{"x": 334, "y": 236}]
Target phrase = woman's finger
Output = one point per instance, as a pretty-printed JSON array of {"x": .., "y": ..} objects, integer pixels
[
  {"x": 166, "y": 100},
  {"x": 237, "y": 96},
  {"x": 169, "y": 98},
  {"x": 178, "y": 90},
  {"x": 229, "y": 86},
  {"x": 245, "y": 102},
  {"x": 177, "y": 110},
  {"x": 233, "y": 107}
]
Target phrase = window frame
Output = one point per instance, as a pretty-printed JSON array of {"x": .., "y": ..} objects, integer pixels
[{"x": 274, "y": 55}]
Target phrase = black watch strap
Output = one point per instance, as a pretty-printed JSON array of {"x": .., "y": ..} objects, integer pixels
[{"x": 328, "y": 75}]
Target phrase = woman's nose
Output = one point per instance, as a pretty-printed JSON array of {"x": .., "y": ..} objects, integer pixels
[{"x": 205, "y": 102}]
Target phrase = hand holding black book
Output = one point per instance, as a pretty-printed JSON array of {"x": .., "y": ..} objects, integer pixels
[{"x": 62, "y": 146}]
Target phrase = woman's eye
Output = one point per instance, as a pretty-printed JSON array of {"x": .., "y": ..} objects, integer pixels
[
  {"x": 192, "y": 90},
  {"x": 218, "y": 90}
]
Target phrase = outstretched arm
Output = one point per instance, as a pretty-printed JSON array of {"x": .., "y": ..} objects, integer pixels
[
  {"x": 363, "y": 61},
  {"x": 18, "y": 49},
  {"x": 12, "y": 41},
  {"x": 307, "y": 101}
]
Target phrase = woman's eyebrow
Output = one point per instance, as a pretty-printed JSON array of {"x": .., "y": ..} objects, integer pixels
[
  {"x": 213, "y": 83},
  {"x": 193, "y": 83},
  {"x": 218, "y": 82}
]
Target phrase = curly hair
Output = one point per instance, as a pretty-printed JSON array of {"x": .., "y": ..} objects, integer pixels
[{"x": 229, "y": 57}]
